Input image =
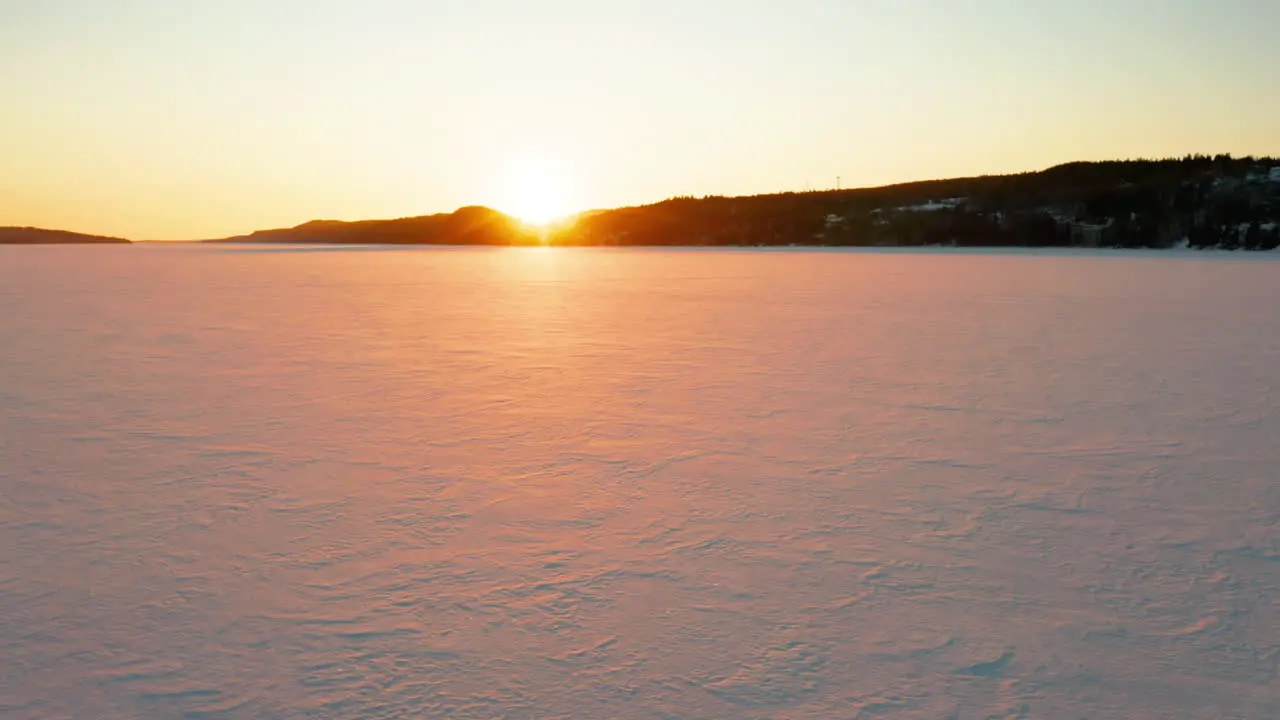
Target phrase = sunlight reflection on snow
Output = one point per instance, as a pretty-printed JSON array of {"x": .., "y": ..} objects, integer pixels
[{"x": 543, "y": 482}]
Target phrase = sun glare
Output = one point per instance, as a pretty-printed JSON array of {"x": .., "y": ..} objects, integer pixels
[{"x": 538, "y": 192}]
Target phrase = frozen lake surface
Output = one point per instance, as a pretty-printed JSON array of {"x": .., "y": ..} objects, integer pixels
[{"x": 242, "y": 482}]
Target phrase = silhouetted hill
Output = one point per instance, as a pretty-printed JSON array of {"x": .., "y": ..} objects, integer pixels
[
  {"x": 1196, "y": 201},
  {"x": 465, "y": 226},
  {"x": 37, "y": 236}
]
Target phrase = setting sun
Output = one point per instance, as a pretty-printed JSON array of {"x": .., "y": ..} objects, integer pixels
[{"x": 538, "y": 191}]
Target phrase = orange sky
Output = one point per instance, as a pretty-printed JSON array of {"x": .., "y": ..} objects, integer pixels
[{"x": 158, "y": 120}]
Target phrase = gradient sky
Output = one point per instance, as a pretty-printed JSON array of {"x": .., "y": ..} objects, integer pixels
[{"x": 176, "y": 119}]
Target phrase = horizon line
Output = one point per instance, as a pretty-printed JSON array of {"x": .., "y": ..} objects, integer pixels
[{"x": 572, "y": 216}]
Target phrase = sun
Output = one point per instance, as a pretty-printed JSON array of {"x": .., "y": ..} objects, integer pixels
[{"x": 538, "y": 190}]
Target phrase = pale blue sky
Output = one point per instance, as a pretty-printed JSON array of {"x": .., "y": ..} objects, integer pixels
[{"x": 194, "y": 118}]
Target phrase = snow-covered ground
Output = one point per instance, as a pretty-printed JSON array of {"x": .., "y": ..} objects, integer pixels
[{"x": 284, "y": 483}]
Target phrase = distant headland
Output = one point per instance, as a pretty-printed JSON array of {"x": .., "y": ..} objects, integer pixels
[
  {"x": 1197, "y": 201},
  {"x": 37, "y": 236}
]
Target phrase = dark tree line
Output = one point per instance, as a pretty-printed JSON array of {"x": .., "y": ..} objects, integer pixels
[{"x": 1199, "y": 200}]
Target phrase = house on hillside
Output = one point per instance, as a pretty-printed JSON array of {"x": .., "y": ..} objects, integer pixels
[
  {"x": 934, "y": 205},
  {"x": 1066, "y": 213},
  {"x": 1088, "y": 234}
]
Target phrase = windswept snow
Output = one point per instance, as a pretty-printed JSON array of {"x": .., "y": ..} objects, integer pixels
[{"x": 638, "y": 484}]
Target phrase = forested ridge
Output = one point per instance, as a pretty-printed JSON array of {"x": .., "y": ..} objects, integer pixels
[{"x": 1197, "y": 201}]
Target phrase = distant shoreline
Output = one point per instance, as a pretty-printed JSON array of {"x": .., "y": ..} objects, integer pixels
[
  {"x": 960, "y": 249},
  {"x": 1064, "y": 250},
  {"x": 1042, "y": 251},
  {"x": 39, "y": 236},
  {"x": 1198, "y": 202}
]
